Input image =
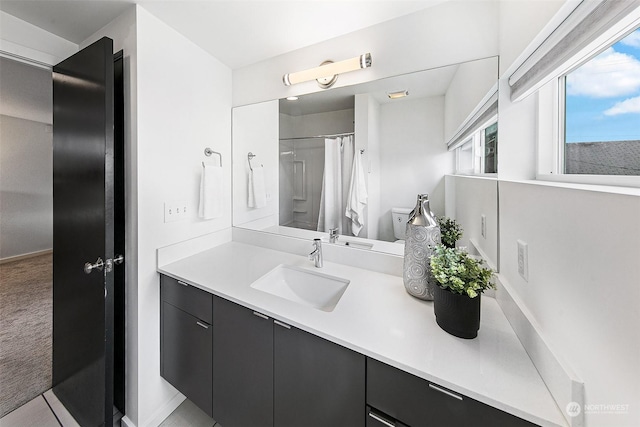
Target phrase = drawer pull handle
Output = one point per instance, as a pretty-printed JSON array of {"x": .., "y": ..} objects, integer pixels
[
  {"x": 381, "y": 420},
  {"x": 260, "y": 315},
  {"x": 202, "y": 325},
  {"x": 447, "y": 392},
  {"x": 182, "y": 283},
  {"x": 284, "y": 325}
]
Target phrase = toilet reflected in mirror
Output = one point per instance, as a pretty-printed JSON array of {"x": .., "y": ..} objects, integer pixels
[
  {"x": 400, "y": 216},
  {"x": 404, "y": 143}
]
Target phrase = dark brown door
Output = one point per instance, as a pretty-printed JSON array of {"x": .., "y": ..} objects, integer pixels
[{"x": 83, "y": 233}]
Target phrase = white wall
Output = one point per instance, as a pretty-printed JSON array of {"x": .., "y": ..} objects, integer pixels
[
  {"x": 26, "y": 187},
  {"x": 471, "y": 82},
  {"x": 367, "y": 133},
  {"x": 255, "y": 130},
  {"x": 472, "y": 197},
  {"x": 519, "y": 23},
  {"x": 448, "y": 33},
  {"x": 583, "y": 246},
  {"x": 184, "y": 105},
  {"x": 583, "y": 283},
  {"x": 414, "y": 156}
]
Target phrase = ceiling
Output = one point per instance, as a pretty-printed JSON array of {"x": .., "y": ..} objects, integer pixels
[{"x": 236, "y": 32}]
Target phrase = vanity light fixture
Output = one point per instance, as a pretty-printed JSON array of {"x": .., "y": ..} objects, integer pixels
[
  {"x": 292, "y": 98},
  {"x": 398, "y": 94},
  {"x": 327, "y": 73}
]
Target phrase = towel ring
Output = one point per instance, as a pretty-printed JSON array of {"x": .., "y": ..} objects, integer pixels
[
  {"x": 250, "y": 157},
  {"x": 208, "y": 152}
]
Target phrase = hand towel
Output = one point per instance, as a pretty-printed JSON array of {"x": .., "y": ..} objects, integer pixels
[
  {"x": 357, "y": 198},
  {"x": 211, "y": 192},
  {"x": 257, "y": 189}
]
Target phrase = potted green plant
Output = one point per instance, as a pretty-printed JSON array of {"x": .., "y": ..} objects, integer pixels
[
  {"x": 461, "y": 279},
  {"x": 450, "y": 231}
]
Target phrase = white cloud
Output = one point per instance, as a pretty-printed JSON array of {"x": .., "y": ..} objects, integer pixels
[
  {"x": 609, "y": 74},
  {"x": 631, "y": 105},
  {"x": 632, "y": 39}
]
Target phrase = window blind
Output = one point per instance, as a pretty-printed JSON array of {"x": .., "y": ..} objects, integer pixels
[
  {"x": 488, "y": 108},
  {"x": 588, "y": 21}
]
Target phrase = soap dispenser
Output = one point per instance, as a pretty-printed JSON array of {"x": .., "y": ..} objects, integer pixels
[{"x": 423, "y": 234}]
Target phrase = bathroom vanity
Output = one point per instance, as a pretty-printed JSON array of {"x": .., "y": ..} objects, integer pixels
[{"x": 376, "y": 358}]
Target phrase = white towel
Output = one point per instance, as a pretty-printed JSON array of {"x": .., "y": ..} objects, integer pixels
[
  {"x": 357, "y": 198},
  {"x": 257, "y": 189},
  {"x": 211, "y": 192}
]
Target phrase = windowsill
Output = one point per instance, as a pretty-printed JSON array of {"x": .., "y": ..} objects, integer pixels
[
  {"x": 581, "y": 182},
  {"x": 491, "y": 176}
]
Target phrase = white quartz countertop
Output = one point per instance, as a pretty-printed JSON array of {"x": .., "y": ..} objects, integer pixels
[{"x": 378, "y": 318}]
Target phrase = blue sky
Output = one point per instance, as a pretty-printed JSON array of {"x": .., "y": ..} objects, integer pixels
[{"x": 603, "y": 95}]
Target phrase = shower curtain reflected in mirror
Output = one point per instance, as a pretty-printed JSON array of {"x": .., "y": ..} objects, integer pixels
[{"x": 338, "y": 163}]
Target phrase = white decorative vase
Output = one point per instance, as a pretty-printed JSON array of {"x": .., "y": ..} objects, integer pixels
[{"x": 423, "y": 234}]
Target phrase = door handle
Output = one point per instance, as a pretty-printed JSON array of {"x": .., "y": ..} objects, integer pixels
[
  {"x": 202, "y": 325},
  {"x": 284, "y": 325},
  {"x": 98, "y": 265},
  {"x": 447, "y": 392},
  {"x": 379, "y": 418}
]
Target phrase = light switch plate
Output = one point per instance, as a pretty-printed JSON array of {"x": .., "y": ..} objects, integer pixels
[
  {"x": 523, "y": 260},
  {"x": 175, "y": 211}
]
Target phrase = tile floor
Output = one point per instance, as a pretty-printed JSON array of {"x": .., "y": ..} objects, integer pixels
[{"x": 47, "y": 411}]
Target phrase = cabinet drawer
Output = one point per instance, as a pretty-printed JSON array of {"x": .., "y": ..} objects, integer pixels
[
  {"x": 417, "y": 402},
  {"x": 194, "y": 301}
]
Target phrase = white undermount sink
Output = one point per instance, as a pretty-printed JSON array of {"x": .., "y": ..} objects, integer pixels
[{"x": 310, "y": 288}]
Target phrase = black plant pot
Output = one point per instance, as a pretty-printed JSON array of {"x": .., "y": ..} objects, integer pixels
[{"x": 457, "y": 314}]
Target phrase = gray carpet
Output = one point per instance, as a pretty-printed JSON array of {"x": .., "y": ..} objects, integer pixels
[{"x": 26, "y": 314}]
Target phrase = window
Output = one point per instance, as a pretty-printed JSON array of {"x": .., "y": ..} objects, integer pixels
[
  {"x": 600, "y": 133},
  {"x": 478, "y": 154}
]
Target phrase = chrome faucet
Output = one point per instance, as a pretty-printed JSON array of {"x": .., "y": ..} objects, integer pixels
[
  {"x": 333, "y": 235},
  {"x": 316, "y": 255}
]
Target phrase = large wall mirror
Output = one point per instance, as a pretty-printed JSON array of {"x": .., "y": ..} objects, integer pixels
[{"x": 351, "y": 158}]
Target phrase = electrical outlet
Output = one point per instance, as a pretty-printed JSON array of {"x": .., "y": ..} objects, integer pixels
[
  {"x": 175, "y": 211},
  {"x": 483, "y": 225},
  {"x": 523, "y": 260}
]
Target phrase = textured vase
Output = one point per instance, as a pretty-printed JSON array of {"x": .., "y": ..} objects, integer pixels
[{"x": 423, "y": 234}]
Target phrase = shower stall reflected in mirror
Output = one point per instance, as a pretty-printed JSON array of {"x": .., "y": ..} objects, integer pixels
[{"x": 301, "y": 174}]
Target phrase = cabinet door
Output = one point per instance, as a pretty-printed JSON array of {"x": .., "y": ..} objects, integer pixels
[
  {"x": 186, "y": 355},
  {"x": 242, "y": 366},
  {"x": 316, "y": 382}
]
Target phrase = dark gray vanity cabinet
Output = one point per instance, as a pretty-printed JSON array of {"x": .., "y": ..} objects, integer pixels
[
  {"x": 266, "y": 373},
  {"x": 246, "y": 369},
  {"x": 186, "y": 340},
  {"x": 242, "y": 366},
  {"x": 417, "y": 402},
  {"x": 316, "y": 382}
]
